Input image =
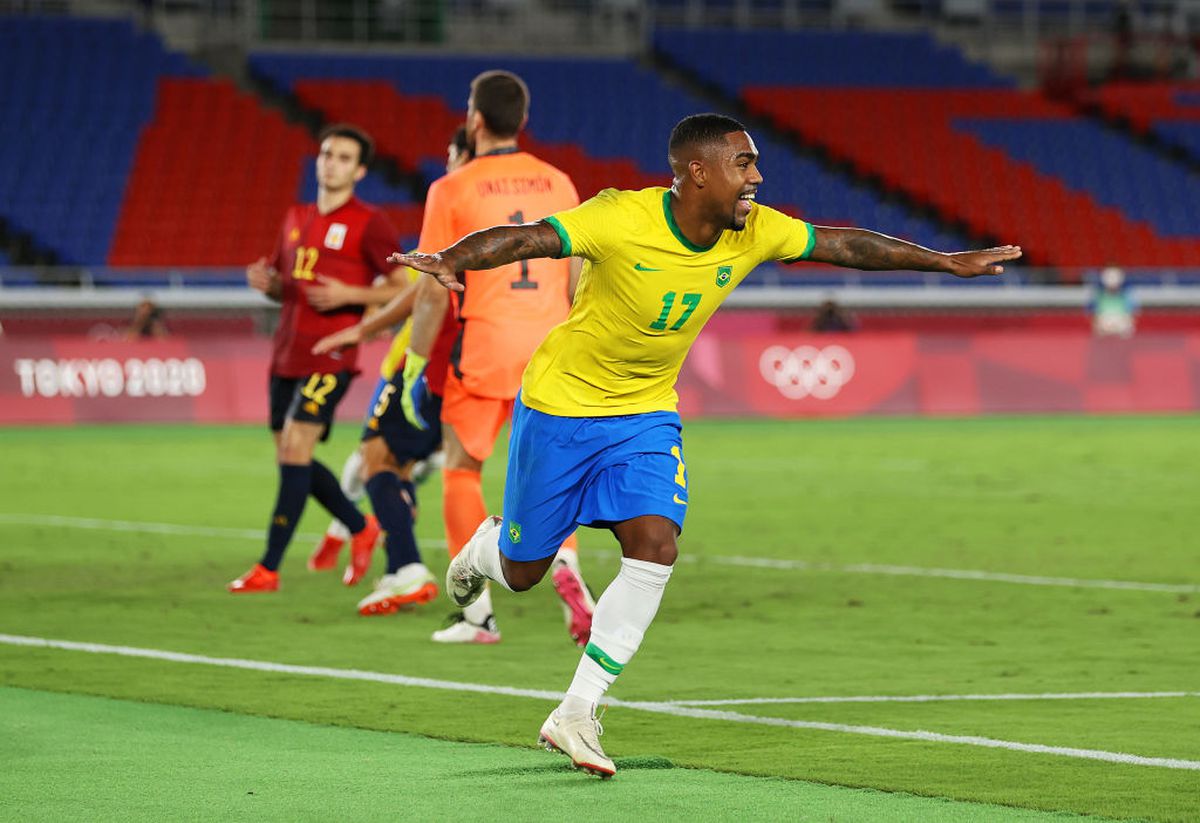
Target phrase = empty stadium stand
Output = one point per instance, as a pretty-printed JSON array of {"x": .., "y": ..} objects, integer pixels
[
  {"x": 1169, "y": 110},
  {"x": 606, "y": 139},
  {"x": 1010, "y": 164},
  {"x": 74, "y": 95}
]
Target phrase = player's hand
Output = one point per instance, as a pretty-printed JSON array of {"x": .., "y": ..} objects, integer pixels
[
  {"x": 416, "y": 388},
  {"x": 430, "y": 264},
  {"x": 985, "y": 261},
  {"x": 338, "y": 340},
  {"x": 260, "y": 276},
  {"x": 328, "y": 293}
]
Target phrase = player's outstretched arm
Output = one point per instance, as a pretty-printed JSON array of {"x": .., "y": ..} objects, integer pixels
[
  {"x": 485, "y": 249},
  {"x": 392, "y": 314},
  {"x": 872, "y": 251}
]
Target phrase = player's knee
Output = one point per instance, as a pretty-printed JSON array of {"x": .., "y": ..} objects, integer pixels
[
  {"x": 664, "y": 552},
  {"x": 297, "y": 442},
  {"x": 292, "y": 452},
  {"x": 376, "y": 458},
  {"x": 521, "y": 577},
  {"x": 652, "y": 548}
]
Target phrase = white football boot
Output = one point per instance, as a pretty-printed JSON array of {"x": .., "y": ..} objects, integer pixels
[
  {"x": 461, "y": 630},
  {"x": 464, "y": 583},
  {"x": 578, "y": 737},
  {"x": 407, "y": 586}
]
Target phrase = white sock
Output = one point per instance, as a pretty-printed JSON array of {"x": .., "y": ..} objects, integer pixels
[
  {"x": 481, "y": 609},
  {"x": 485, "y": 556},
  {"x": 338, "y": 529},
  {"x": 352, "y": 483},
  {"x": 623, "y": 613},
  {"x": 569, "y": 556}
]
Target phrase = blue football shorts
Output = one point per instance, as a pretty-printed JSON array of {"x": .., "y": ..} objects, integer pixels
[{"x": 565, "y": 472}]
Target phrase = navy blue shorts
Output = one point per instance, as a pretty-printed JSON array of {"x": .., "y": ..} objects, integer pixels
[
  {"x": 311, "y": 399},
  {"x": 385, "y": 418},
  {"x": 565, "y": 472}
]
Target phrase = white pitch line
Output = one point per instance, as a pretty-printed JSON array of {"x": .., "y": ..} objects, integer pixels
[
  {"x": 954, "y": 574},
  {"x": 931, "y": 698},
  {"x": 720, "y": 560},
  {"x": 656, "y": 708},
  {"x": 143, "y": 527}
]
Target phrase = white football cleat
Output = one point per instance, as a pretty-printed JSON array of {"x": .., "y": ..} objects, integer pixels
[
  {"x": 578, "y": 737},
  {"x": 460, "y": 630},
  {"x": 464, "y": 583},
  {"x": 407, "y": 586}
]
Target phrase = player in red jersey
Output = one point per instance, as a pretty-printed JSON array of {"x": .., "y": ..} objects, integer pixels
[
  {"x": 392, "y": 446},
  {"x": 337, "y": 238}
]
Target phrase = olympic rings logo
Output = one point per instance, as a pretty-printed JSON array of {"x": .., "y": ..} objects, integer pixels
[{"x": 806, "y": 370}]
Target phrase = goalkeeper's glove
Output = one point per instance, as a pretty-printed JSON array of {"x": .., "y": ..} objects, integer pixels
[{"x": 416, "y": 389}]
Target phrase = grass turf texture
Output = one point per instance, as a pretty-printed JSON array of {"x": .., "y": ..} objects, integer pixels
[
  {"x": 1088, "y": 498},
  {"x": 134, "y": 761}
]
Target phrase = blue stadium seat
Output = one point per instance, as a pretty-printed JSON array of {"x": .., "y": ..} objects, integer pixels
[
  {"x": 823, "y": 58},
  {"x": 602, "y": 126},
  {"x": 74, "y": 95},
  {"x": 1104, "y": 163}
]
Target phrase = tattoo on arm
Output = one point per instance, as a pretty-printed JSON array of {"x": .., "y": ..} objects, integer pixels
[
  {"x": 499, "y": 245},
  {"x": 871, "y": 251}
]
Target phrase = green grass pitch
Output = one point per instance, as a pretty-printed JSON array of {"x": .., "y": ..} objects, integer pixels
[{"x": 1014, "y": 558}]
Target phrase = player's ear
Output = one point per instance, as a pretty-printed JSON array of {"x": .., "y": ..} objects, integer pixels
[
  {"x": 360, "y": 173},
  {"x": 697, "y": 172}
]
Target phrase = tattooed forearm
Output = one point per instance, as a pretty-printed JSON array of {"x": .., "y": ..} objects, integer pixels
[
  {"x": 871, "y": 251},
  {"x": 496, "y": 246}
]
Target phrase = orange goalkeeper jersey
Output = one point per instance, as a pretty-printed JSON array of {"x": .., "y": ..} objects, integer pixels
[{"x": 504, "y": 313}]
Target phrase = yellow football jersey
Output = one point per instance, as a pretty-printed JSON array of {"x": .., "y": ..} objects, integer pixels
[
  {"x": 395, "y": 353},
  {"x": 644, "y": 295}
]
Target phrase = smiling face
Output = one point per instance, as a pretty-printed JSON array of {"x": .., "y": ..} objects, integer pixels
[{"x": 732, "y": 178}]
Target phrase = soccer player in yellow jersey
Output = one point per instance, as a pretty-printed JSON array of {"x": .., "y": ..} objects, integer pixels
[{"x": 596, "y": 440}]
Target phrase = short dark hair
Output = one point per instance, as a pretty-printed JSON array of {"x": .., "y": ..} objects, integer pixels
[
  {"x": 699, "y": 129},
  {"x": 460, "y": 142},
  {"x": 503, "y": 99},
  {"x": 366, "y": 146}
]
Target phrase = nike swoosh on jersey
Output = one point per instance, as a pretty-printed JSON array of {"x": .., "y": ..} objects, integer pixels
[
  {"x": 680, "y": 502},
  {"x": 640, "y": 267}
]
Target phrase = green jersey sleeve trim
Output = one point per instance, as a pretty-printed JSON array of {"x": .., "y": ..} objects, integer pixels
[
  {"x": 562, "y": 235},
  {"x": 812, "y": 241},
  {"x": 674, "y": 227}
]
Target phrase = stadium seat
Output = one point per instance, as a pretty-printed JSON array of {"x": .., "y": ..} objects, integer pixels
[
  {"x": 593, "y": 139},
  {"x": 74, "y": 95},
  {"x": 1008, "y": 164}
]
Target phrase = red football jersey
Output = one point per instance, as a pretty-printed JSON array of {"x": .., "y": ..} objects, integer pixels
[{"x": 350, "y": 244}]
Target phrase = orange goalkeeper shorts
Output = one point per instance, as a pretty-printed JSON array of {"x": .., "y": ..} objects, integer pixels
[{"x": 476, "y": 420}]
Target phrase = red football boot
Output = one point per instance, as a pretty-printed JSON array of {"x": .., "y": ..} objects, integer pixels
[
  {"x": 325, "y": 556},
  {"x": 361, "y": 547},
  {"x": 578, "y": 604},
  {"x": 258, "y": 579}
]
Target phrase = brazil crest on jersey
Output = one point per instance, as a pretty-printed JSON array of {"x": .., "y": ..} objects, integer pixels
[{"x": 645, "y": 293}]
